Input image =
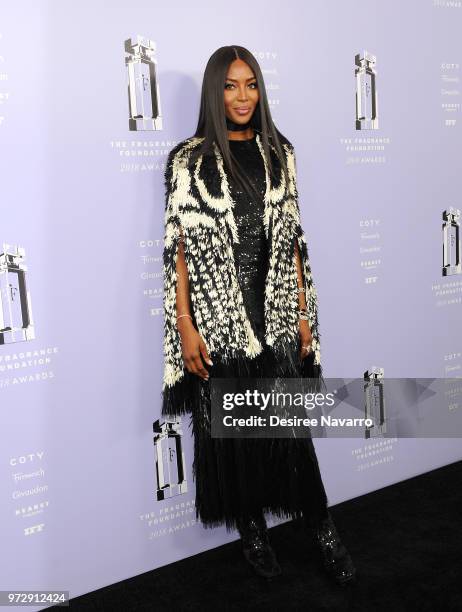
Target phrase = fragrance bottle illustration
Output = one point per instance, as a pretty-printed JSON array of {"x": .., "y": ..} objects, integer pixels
[
  {"x": 451, "y": 242},
  {"x": 366, "y": 92},
  {"x": 170, "y": 461},
  {"x": 143, "y": 89},
  {"x": 16, "y": 322},
  {"x": 374, "y": 405}
]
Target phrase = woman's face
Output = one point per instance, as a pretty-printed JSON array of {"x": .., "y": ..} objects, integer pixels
[{"x": 241, "y": 92}]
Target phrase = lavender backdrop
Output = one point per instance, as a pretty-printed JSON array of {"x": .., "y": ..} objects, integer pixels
[{"x": 84, "y": 196}]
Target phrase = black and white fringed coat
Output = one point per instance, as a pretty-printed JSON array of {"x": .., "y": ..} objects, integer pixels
[{"x": 199, "y": 201}]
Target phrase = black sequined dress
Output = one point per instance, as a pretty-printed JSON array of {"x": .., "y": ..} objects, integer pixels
[{"x": 234, "y": 476}]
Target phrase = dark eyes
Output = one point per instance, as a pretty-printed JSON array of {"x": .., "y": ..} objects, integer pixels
[{"x": 253, "y": 85}]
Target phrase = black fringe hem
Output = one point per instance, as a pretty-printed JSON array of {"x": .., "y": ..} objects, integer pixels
[
  {"x": 237, "y": 476},
  {"x": 181, "y": 398},
  {"x": 185, "y": 395}
]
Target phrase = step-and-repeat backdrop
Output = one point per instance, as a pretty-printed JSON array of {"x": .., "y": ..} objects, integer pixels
[{"x": 95, "y": 486}]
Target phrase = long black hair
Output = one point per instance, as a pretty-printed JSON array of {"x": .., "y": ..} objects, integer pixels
[{"x": 212, "y": 118}]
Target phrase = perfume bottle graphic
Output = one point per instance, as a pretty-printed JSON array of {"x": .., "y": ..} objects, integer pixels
[
  {"x": 16, "y": 323},
  {"x": 374, "y": 405},
  {"x": 170, "y": 461},
  {"x": 366, "y": 92},
  {"x": 143, "y": 89},
  {"x": 451, "y": 242}
]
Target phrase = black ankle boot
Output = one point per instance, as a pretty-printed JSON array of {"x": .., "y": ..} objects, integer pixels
[
  {"x": 256, "y": 547},
  {"x": 335, "y": 556}
]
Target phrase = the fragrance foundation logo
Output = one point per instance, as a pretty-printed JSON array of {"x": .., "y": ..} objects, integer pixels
[
  {"x": 366, "y": 92},
  {"x": 21, "y": 365},
  {"x": 451, "y": 242},
  {"x": 16, "y": 323},
  {"x": 169, "y": 519},
  {"x": 141, "y": 155},
  {"x": 375, "y": 453},
  {"x": 374, "y": 403},
  {"x": 169, "y": 459},
  {"x": 143, "y": 88},
  {"x": 449, "y": 292},
  {"x": 144, "y": 110},
  {"x": 367, "y": 148}
]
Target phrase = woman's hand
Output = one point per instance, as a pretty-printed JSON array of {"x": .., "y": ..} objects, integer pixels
[
  {"x": 193, "y": 348},
  {"x": 305, "y": 338}
]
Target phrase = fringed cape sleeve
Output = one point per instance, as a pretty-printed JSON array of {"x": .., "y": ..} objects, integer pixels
[
  {"x": 179, "y": 388},
  {"x": 311, "y": 364}
]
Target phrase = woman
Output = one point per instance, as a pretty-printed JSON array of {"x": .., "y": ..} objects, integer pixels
[{"x": 240, "y": 301}]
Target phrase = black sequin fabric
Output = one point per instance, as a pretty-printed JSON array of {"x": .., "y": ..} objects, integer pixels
[{"x": 251, "y": 253}]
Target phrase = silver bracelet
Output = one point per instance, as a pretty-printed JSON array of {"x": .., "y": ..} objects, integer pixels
[
  {"x": 301, "y": 290},
  {"x": 184, "y": 315}
]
